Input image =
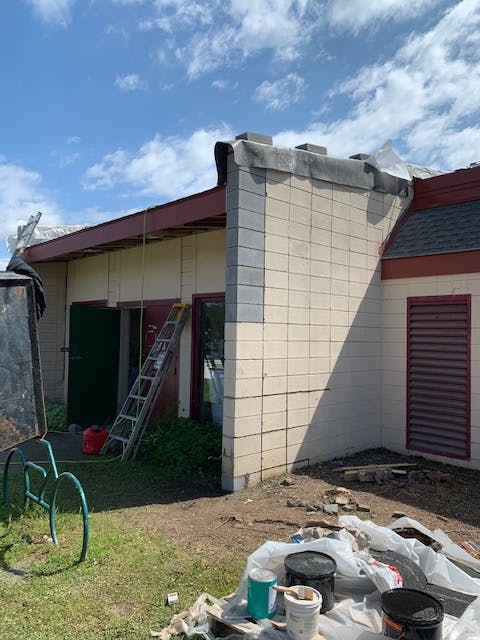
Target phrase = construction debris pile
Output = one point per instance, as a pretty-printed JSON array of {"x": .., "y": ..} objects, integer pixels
[{"x": 401, "y": 581}]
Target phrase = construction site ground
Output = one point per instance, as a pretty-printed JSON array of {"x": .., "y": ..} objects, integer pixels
[{"x": 201, "y": 516}]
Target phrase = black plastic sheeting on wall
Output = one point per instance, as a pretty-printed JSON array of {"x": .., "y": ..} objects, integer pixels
[{"x": 22, "y": 412}]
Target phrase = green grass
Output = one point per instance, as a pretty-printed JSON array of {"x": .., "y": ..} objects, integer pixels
[
  {"x": 56, "y": 415},
  {"x": 119, "y": 591}
]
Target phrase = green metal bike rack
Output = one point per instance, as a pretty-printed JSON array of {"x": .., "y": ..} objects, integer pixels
[{"x": 58, "y": 479}]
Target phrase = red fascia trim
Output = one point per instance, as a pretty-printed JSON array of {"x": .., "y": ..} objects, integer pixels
[
  {"x": 91, "y": 303},
  {"x": 450, "y": 188},
  {"x": 467, "y": 298},
  {"x": 197, "y": 299},
  {"x": 439, "y": 264},
  {"x": 136, "y": 304},
  {"x": 206, "y": 204}
]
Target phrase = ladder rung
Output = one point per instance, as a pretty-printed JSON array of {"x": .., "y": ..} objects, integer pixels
[
  {"x": 147, "y": 377},
  {"x": 120, "y": 438},
  {"x": 137, "y": 397},
  {"x": 127, "y": 417}
]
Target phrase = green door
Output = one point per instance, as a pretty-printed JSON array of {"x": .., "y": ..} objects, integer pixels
[{"x": 93, "y": 364}]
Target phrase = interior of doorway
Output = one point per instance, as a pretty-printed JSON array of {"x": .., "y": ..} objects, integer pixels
[{"x": 130, "y": 348}]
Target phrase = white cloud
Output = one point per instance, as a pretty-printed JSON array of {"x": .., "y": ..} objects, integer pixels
[
  {"x": 165, "y": 168},
  {"x": 128, "y": 82},
  {"x": 219, "y": 84},
  {"x": 425, "y": 97},
  {"x": 209, "y": 35},
  {"x": 74, "y": 140},
  {"x": 53, "y": 11},
  {"x": 280, "y": 94},
  {"x": 21, "y": 195},
  {"x": 356, "y": 14}
]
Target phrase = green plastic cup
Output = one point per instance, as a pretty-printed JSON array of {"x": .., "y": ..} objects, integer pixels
[{"x": 261, "y": 596}]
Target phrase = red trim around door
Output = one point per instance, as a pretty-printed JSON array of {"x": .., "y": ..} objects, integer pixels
[{"x": 197, "y": 299}]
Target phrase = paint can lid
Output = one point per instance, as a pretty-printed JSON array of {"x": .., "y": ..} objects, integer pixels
[
  {"x": 310, "y": 564},
  {"x": 262, "y": 575}
]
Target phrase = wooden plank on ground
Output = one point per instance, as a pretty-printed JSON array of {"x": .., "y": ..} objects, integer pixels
[{"x": 375, "y": 466}]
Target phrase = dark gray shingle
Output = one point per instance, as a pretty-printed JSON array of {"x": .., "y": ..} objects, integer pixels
[{"x": 439, "y": 230}]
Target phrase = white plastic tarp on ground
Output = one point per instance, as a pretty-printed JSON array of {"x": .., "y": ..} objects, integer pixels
[{"x": 359, "y": 617}]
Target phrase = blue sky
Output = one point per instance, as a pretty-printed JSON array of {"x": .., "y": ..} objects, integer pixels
[{"x": 109, "y": 106}]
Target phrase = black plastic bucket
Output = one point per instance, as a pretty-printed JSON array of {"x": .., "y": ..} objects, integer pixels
[
  {"x": 313, "y": 569},
  {"x": 410, "y": 614}
]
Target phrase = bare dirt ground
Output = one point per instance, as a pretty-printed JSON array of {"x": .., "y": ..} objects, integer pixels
[{"x": 437, "y": 495}]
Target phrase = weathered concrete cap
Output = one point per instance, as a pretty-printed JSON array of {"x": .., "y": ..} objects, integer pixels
[
  {"x": 313, "y": 148},
  {"x": 255, "y": 137},
  {"x": 360, "y": 156}
]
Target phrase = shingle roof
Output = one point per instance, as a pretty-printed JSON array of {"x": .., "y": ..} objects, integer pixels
[{"x": 454, "y": 227}]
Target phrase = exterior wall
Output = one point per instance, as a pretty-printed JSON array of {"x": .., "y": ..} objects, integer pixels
[
  {"x": 303, "y": 330},
  {"x": 51, "y": 329},
  {"x": 173, "y": 269},
  {"x": 394, "y": 372}
]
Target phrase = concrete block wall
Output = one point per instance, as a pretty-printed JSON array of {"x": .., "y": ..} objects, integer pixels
[
  {"x": 394, "y": 332},
  {"x": 303, "y": 330}
]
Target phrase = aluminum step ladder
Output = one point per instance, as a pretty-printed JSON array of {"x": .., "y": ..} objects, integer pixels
[{"x": 131, "y": 422}]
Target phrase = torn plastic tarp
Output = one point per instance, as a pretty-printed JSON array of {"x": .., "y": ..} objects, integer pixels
[
  {"x": 387, "y": 161},
  {"x": 44, "y": 233},
  {"x": 359, "y": 617}
]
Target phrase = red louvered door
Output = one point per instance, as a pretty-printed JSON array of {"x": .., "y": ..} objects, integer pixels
[{"x": 438, "y": 375}]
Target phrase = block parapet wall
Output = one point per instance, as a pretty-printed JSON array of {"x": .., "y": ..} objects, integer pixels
[{"x": 303, "y": 331}]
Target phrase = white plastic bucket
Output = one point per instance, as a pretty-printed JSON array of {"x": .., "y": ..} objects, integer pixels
[{"x": 302, "y": 615}]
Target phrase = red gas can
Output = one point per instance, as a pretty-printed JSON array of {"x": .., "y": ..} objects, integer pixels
[{"x": 93, "y": 440}]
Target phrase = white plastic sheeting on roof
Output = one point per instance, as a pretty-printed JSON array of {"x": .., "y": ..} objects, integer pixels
[{"x": 45, "y": 233}]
